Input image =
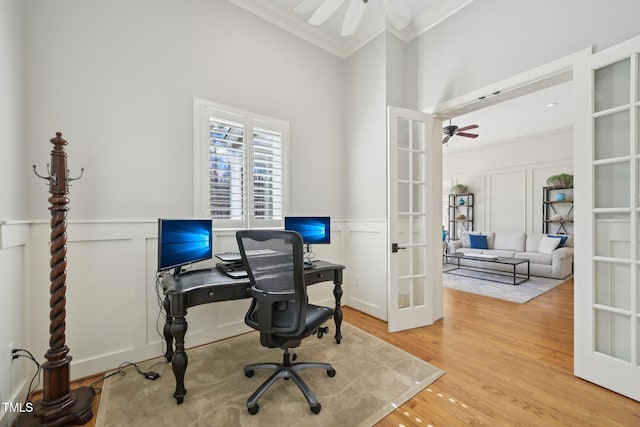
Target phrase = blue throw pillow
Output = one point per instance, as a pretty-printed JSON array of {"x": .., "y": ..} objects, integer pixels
[
  {"x": 477, "y": 241},
  {"x": 562, "y": 238}
]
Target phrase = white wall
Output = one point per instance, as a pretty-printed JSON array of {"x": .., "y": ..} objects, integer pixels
[
  {"x": 365, "y": 178},
  {"x": 13, "y": 230},
  {"x": 118, "y": 78},
  {"x": 507, "y": 178},
  {"x": 491, "y": 40}
]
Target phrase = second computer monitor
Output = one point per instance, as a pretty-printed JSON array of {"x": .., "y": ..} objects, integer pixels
[{"x": 313, "y": 229}]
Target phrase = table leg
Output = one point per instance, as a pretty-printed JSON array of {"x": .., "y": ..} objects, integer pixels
[
  {"x": 337, "y": 313},
  {"x": 180, "y": 360},
  {"x": 168, "y": 336}
]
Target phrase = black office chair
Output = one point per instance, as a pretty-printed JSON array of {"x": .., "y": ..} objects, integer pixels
[{"x": 279, "y": 308}]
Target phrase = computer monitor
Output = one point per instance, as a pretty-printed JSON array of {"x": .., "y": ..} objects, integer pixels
[
  {"x": 313, "y": 229},
  {"x": 182, "y": 242}
]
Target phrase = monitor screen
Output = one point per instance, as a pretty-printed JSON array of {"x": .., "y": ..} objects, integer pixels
[
  {"x": 183, "y": 241},
  {"x": 313, "y": 229}
]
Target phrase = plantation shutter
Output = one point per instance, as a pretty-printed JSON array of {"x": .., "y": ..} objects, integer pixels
[
  {"x": 268, "y": 174},
  {"x": 226, "y": 168},
  {"x": 240, "y": 161}
]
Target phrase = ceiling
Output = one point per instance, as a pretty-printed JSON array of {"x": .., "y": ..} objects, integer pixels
[
  {"x": 517, "y": 117},
  {"x": 503, "y": 120},
  {"x": 424, "y": 15}
]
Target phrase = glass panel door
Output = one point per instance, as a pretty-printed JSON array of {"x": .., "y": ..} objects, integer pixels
[
  {"x": 411, "y": 253},
  {"x": 607, "y": 244}
]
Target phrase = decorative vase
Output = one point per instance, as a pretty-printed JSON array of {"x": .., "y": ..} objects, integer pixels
[
  {"x": 461, "y": 201},
  {"x": 444, "y": 235},
  {"x": 560, "y": 197}
]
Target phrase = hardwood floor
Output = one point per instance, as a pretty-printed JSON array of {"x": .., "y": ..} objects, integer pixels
[{"x": 507, "y": 364}]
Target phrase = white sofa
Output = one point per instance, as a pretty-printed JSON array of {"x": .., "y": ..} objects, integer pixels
[{"x": 544, "y": 259}]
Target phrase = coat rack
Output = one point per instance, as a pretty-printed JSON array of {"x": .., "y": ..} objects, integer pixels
[{"x": 59, "y": 405}]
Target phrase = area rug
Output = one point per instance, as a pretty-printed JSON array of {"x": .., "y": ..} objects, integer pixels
[
  {"x": 521, "y": 293},
  {"x": 373, "y": 378}
]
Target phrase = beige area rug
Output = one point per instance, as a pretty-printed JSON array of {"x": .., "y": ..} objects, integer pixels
[
  {"x": 372, "y": 379},
  {"x": 476, "y": 283}
]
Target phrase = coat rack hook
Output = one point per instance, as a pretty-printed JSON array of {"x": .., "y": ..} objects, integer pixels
[
  {"x": 77, "y": 178},
  {"x": 49, "y": 178}
]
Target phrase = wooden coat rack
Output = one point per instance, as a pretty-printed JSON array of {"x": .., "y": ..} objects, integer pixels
[{"x": 59, "y": 405}]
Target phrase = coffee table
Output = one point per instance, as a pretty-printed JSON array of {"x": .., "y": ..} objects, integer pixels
[{"x": 515, "y": 277}]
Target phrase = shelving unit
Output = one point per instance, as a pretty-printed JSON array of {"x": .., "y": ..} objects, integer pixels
[
  {"x": 460, "y": 214},
  {"x": 557, "y": 212}
]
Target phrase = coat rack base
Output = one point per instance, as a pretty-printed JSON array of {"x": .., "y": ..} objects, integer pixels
[{"x": 80, "y": 413}]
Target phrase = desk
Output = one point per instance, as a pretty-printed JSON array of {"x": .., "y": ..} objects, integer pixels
[{"x": 210, "y": 285}]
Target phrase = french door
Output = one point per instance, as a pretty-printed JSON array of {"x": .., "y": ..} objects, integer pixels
[
  {"x": 607, "y": 218},
  {"x": 414, "y": 174}
]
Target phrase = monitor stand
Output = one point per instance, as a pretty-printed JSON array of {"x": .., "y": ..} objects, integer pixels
[{"x": 308, "y": 255}]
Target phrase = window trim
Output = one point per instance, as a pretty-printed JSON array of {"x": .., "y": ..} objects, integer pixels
[{"x": 201, "y": 202}]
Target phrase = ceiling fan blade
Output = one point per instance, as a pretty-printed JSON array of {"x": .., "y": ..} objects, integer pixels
[
  {"x": 467, "y": 128},
  {"x": 325, "y": 10},
  {"x": 352, "y": 17},
  {"x": 306, "y": 6},
  {"x": 398, "y": 13},
  {"x": 446, "y": 139},
  {"x": 468, "y": 135}
]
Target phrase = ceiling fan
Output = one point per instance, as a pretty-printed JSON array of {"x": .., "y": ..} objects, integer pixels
[
  {"x": 452, "y": 130},
  {"x": 396, "y": 10}
]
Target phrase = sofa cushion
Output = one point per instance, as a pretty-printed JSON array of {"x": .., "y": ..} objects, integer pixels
[
  {"x": 510, "y": 242},
  {"x": 470, "y": 251},
  {"x": 535, "y": 257},
  {"x": 466, "y": 243},
  {"x": 548, "y": 245},
  {"x": 533, "y": 242},
  {"x": 563, "y": 239},
  {"x": 478, "y": 241},
  {"x": 464, "y": 238}
]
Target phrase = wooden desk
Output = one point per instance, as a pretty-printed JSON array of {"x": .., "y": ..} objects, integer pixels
[{"x": 210, "y": 285}]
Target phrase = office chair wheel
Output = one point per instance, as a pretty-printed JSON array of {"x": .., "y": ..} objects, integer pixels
[
  {"x": 331, "y": 372},
  {"x": 254, "y": 409},
  {"x": 249, "y": 373},
  {"x": 316, "y": 409}
]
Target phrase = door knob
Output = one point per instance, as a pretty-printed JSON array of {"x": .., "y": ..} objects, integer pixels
[{"x": 395, "y": 248}]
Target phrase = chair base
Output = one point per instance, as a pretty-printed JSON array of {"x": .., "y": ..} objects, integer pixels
[{"x": 286, "y": 370}]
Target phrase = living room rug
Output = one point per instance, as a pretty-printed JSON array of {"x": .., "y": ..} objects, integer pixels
[
  {"x": 372, "y": 379},
  {"x": 521, "y": 293}
]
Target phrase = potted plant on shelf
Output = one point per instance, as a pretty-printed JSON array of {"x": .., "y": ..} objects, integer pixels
[
  {"x": 560, "y": 180},
  {"x": 460, "y": 189}
]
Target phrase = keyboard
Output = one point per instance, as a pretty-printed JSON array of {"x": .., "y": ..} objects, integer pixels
[{"x": 235, "y": 256}]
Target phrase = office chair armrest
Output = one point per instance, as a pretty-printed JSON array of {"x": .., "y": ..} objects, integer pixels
[{"x": 265, "y": 302}]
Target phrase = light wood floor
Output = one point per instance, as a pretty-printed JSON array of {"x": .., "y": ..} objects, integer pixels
[{"x": 507, "y": 364}]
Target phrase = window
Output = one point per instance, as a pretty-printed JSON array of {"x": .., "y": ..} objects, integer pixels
[{"x": 240, "y": 166}]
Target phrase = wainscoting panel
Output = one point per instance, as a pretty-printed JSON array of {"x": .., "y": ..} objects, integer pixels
[
  {"x": 366, "y": 272},
  {"x": 113, "y": 313},
  {"x": 507, "y": 202},
  {"x": 14, "y": 237}
]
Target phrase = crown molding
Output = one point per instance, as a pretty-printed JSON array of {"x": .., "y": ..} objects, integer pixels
[
  {"x": 293, "y": 24},
  {"x": 433, "y": 17},
  {"x": 343, "y": 47}
]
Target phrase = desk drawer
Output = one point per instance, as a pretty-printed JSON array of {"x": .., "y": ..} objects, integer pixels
[
  {"x": 217, "y": 293},
  {"x": 311, "y": 277}
]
